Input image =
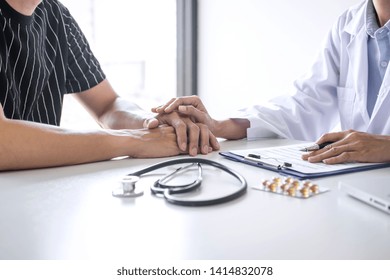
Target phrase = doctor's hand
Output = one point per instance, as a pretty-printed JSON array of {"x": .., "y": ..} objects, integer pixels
[
  {"x": 193, "y": 107},
  {"x": 351, "y": 146},
  {"x": 190, "y": 106},
  {"x": 192, "y": 137}
]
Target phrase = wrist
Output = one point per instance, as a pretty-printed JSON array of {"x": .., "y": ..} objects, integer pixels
[
  {"x": 218, "y": 128},
  {"x": 122, "y": 142},
  {"x": 231, "y": 128},
  {"x": 126, "y": 119}
]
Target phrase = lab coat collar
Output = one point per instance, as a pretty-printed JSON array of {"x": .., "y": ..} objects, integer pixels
[{"x": 359, "y": 19}]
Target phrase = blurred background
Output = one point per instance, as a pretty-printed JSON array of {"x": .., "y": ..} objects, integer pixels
[
  {"x": 135, "y": 42},
  {"x": 248, "y": 50}
]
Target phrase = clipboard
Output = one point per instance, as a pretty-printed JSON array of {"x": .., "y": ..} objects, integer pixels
[{"x": 286, "y": 160}]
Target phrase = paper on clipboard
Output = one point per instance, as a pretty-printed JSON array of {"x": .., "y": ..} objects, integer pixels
[{"x": 274, "y": 158}]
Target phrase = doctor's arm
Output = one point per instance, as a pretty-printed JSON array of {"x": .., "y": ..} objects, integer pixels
[
  {"x": 304, "y": 115},
  {"x": 352, "y": 146}
]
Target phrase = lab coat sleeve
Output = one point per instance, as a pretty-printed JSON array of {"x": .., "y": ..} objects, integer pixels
[{"x": 311, "y": 109}]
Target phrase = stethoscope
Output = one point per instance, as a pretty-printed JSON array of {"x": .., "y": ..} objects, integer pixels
[{"x": 160, "y": 187}]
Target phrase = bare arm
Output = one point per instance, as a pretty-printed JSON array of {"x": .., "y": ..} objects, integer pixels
[
  {"x": 25, "y": 145},
  {"x": 112, "y": 111}
]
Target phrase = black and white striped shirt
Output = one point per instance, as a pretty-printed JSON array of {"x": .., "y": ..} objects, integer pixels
[{"x": 42, "y": 57}]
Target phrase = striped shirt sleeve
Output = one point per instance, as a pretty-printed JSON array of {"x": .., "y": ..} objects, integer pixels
[{"x": 83, "y": 69}]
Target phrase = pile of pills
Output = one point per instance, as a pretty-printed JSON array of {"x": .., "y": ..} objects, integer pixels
[{"x": 290, "y": 187}]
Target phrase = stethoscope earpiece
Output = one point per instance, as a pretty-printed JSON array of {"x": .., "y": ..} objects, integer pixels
[{"x": 128, "y": 188}]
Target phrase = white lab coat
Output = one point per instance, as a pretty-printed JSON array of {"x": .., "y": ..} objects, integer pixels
[{"x": 334, "y": 92}]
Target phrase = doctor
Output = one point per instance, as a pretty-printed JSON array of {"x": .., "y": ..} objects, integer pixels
[{"x": 349, "y": 85}]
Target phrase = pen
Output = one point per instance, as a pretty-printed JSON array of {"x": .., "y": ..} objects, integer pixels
[
  {"x": 316, "y": 147},
  {"x": 257, "y": 158}
]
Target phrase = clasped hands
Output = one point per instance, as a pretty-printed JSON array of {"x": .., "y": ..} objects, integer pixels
[{"x": 192, "y": 137}]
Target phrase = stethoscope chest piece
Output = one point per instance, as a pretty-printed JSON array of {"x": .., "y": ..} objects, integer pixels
[{"x": 128, "y": 188}]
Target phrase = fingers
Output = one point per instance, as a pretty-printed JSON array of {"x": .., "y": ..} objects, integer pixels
[
  {"x": 337, "y": 152},
  {"x": 337, "y": 136},
  {"x": 181, "y": 127},
  {"x": 200, "y": 116},
  {"x": 208, "y": 142},
  {"x": 330, "y": 154},
  {"x": 193, "y": 101},
  {"x": 161, "y": 108},
  {"x": 174, "y": 104},
  {"x": 186, "y": 107},
  {"x": 194, "y": 138},
  {"x": 332, "y": 137},
  {"x": 200, "y": 139},
  {"x": 151, "y": 123},
  {"x": 193, "y": 135},
  {"x": 342, "y": 158},
  {"x": 214, "y": 142}
]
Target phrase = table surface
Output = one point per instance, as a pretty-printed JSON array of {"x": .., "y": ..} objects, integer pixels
[{"x": 69, "y": 213}]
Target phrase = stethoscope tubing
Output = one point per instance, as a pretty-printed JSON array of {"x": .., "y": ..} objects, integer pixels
[
  {"x": 168, "y": 194},
  {"x": 159, "y": 186}
]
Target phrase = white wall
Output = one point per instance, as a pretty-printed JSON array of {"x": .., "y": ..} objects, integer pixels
[{"x": 251, "y": 50}]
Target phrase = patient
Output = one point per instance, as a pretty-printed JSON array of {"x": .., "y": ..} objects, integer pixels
[{"x": 44, "y": 55}]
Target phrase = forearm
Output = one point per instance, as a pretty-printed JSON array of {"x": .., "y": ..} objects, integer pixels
[
  {"x": 123, "y": 114},
  {"x": 26, "y": 145},
  {"x": 231, "y": 128},
  {"x": 110, "y": 110}
]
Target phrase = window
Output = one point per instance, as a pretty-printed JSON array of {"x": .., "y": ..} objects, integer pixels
[{"x": 135, "y": 42}]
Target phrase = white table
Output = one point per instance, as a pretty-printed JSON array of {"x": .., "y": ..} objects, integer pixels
[{"x": 69, "y": 213}]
